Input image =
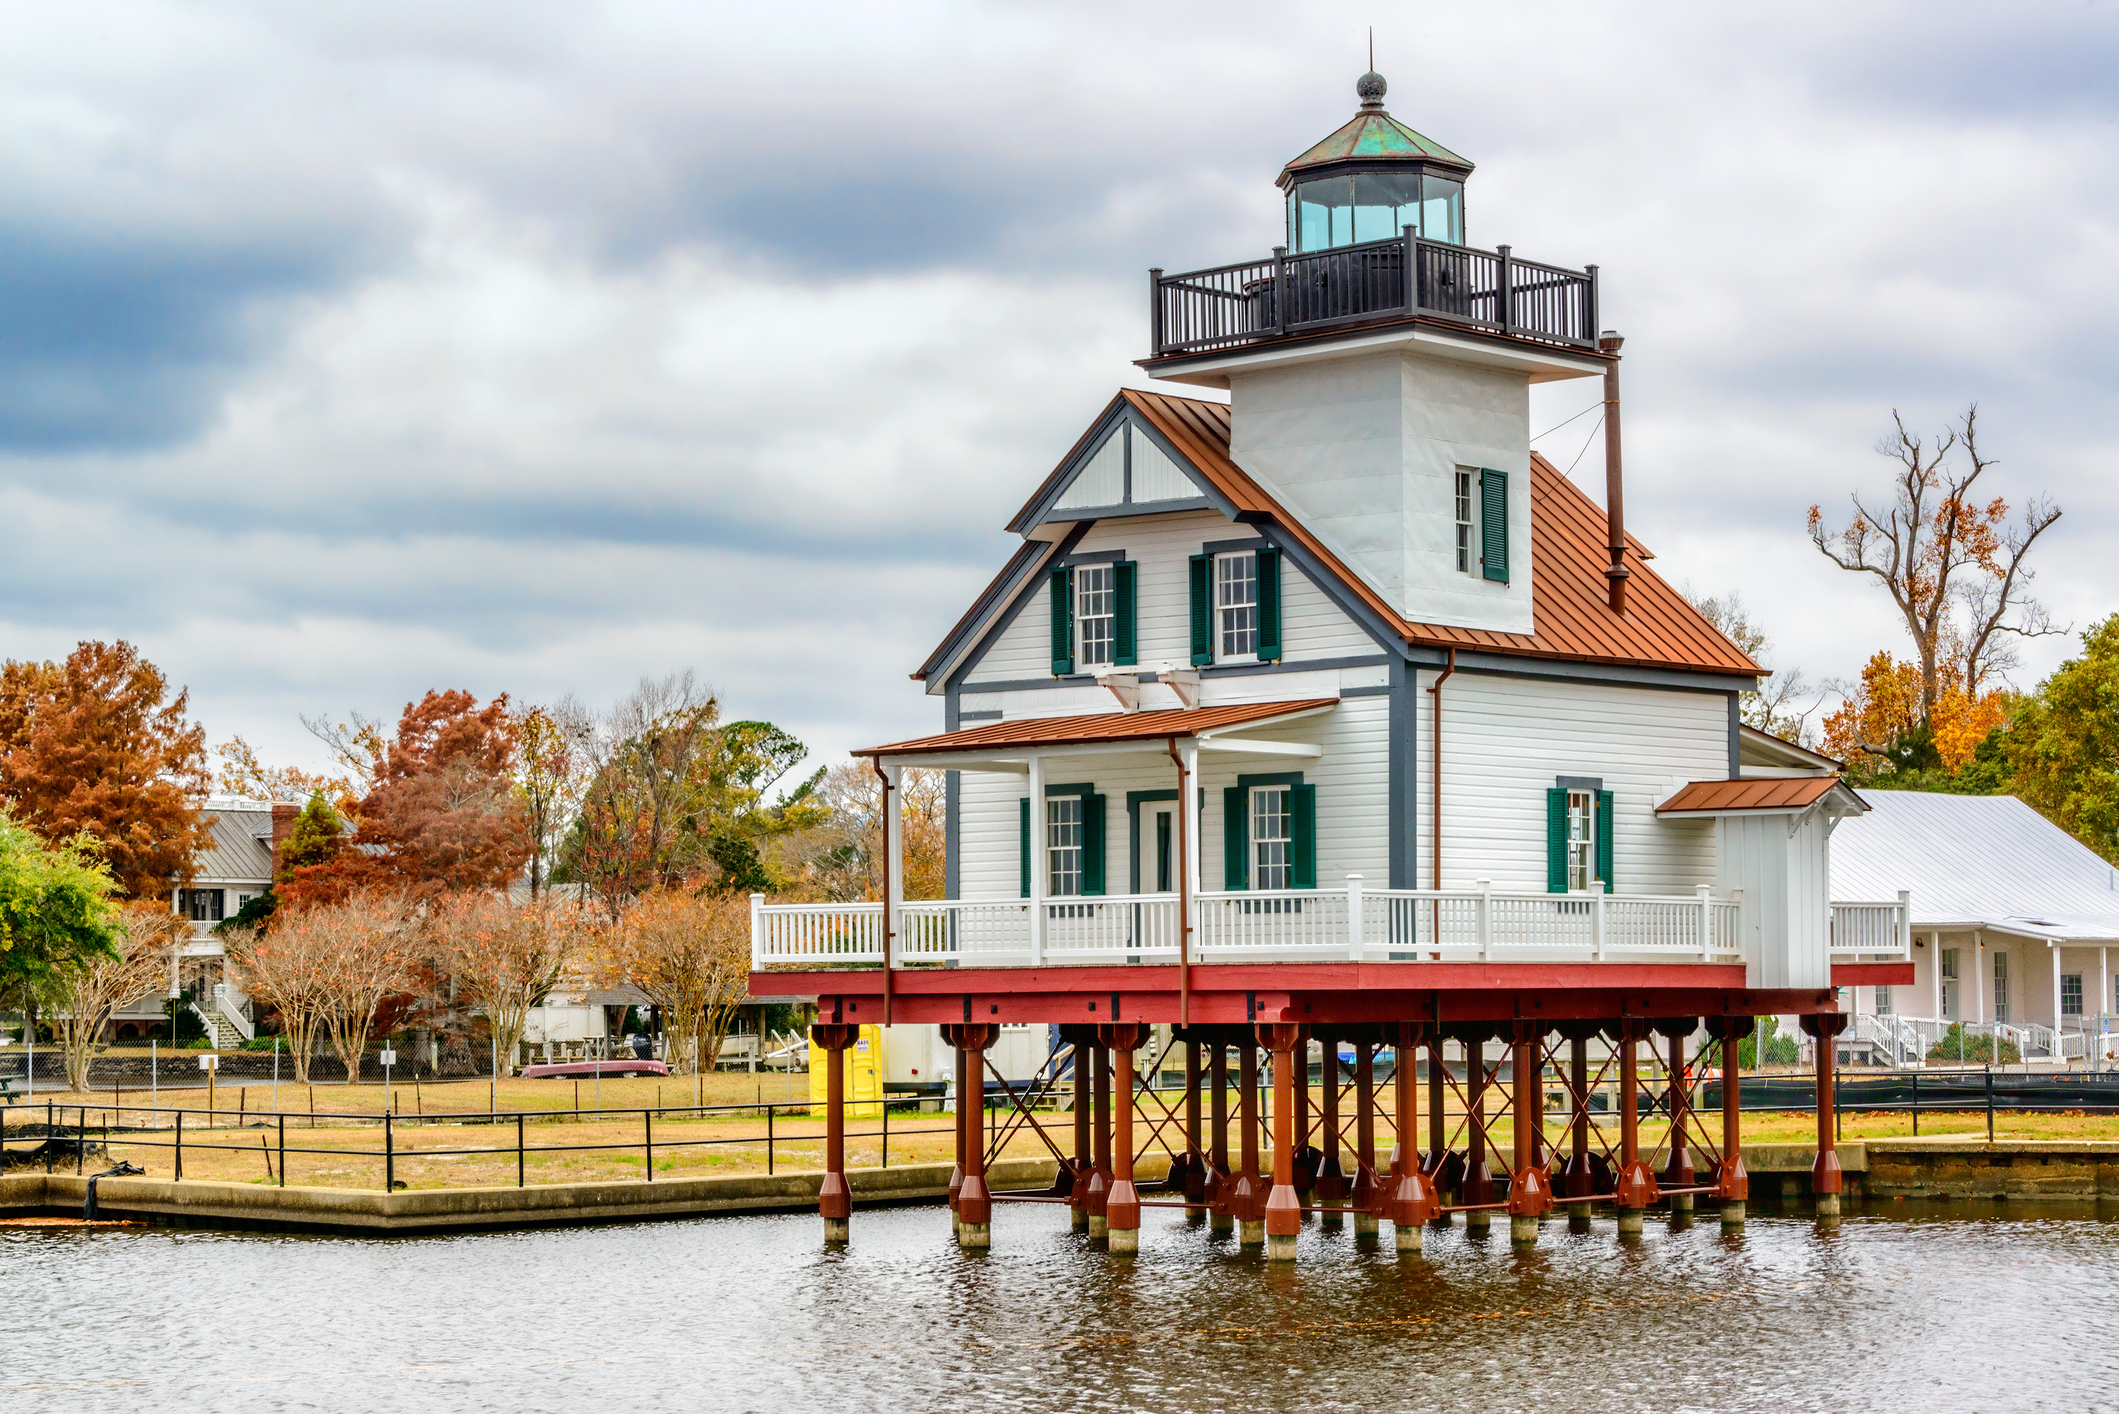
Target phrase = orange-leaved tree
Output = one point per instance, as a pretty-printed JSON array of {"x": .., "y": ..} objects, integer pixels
[
  {"x": 97, "y": 745},
  {"x": 504, "y": 957},
  {"x": 285, "y": 966},
  {"x": 1883, "y": 720},
  {"x": 689, "y": 954}
]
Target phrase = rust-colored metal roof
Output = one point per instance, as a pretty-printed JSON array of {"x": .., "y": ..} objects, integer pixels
[
  {"x": 1099, "y": 727},
  {"x": 1719, "y": 797},
  {"x": 1570, "y": 615}
]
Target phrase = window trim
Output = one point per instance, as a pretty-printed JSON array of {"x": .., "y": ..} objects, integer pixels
[
  {"x": 1079, "y": 575},
  {"x": 1217, "y": 609},
  {"x": 1465, "y": 503}
]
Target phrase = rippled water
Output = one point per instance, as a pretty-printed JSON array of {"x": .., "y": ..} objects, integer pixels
[{"x": 2014, "y": 1311}]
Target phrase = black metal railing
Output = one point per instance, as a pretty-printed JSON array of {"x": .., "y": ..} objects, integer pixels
[{"x": 1230, "y": 306}]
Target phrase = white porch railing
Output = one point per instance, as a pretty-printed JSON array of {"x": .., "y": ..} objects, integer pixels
[
  {"x": 1876, "y": 931},
  {"x": 228, "y": 1000},
  {"x": 1344, "y": 924}
]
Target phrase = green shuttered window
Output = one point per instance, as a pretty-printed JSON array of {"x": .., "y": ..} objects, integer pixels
[
  {"x": 1578, "y": 841},
  {"x": 1269, "y": 828},
  {"x": 1062, "y": 622},
  {"x": 1493, "y": 525},
  {"x": 1074, "y": 844}
]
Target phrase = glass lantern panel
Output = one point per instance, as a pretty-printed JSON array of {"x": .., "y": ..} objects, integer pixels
[
  {"x": 1322, "y": 214},
  {"x": 1442, "y": 210},
  {"x": 1385, "y": 203}
]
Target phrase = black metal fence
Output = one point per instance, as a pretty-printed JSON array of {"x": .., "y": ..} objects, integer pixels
[{"x": 1229, "y": 306}]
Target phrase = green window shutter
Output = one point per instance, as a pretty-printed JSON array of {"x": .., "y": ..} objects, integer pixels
[
  {"x": 1124, "y": 651},
  {"x": 1493, "y": 525},
  {"x": 1302, "y": 802},
  {"x": 1023, "y": 840},
  {"x": 1202, "y": 610},
  {"x": 1062, "y": 622},
  {"x": 1604, "y": 838},
  {"x": 1092, "y": 844},
  {"x": 1556, "y": 841},
  {"x": 1268, "y": 604},
  {"x": 1235, "y": 838}
]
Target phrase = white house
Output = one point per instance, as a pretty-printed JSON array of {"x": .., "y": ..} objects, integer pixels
[{"x": 2013, "y": 923}]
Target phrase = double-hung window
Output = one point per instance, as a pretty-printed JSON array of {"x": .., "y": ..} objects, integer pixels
[
  {"x": 1581, "y": 840},
  {"x": 1272, "y": 837},
  {"x": 1236, "y": 605},
  {"x": 2071, "y": 994},
  {"x": 1063, "y": 844},
  {"x": 2001, "y": 986},
  {"x": 1883, "y": 1001},
  {"x": 1467, "y": 526},
  {"x": 1095, "y": 615}
]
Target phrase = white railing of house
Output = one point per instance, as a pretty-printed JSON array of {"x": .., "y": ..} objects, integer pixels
[
  {"x": 1878, "y": 931},
  {"x": 229, "y": 1001},
  {"x": 1343, "y": 924}
]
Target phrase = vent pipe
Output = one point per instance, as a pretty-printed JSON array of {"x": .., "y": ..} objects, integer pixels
[{"x": 1614, "y": 479}]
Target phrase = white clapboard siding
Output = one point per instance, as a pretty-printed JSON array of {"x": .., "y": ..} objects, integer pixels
[
  {"x": 1312, "y": 626},
  {"x": 1504, "y": 740}
]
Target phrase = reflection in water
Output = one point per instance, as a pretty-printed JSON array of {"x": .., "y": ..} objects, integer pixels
[{"x": 2011, "y": 1306}]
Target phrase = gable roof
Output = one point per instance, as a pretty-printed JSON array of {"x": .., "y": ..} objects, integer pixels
[
  {"x": 1976, "y": 861},
  {"x": 1571, "y": 618},
  {"x": 1570, "y": 615}
]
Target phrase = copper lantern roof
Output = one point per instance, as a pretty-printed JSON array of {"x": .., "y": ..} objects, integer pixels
[{"x": 1371, "y": 139}]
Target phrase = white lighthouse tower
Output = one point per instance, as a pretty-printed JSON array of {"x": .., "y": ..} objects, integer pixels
[{"x": 1378, "y": 370}]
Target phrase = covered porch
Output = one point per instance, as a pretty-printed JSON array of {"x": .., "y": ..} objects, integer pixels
[{"x": 1284, "y": 912}]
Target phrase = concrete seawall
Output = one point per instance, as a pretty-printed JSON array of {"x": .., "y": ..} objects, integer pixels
[
  {"x": 2015, "y": 1171},
  {"x": 352, "y": 1211}
]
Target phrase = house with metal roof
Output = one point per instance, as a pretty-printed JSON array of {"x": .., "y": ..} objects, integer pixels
[
  {"x": 2013, "y": 922},
  {"x": 1426, "y": 698}
]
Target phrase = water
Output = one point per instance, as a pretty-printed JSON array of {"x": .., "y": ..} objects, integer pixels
[{"x": 2013, "y": 1311}]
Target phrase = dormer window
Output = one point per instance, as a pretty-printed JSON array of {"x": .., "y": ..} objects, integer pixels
[{"x": 1095, "y": 615}]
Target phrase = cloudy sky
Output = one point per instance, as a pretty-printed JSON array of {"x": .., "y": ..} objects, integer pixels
[{"x": 351, "y": 351}]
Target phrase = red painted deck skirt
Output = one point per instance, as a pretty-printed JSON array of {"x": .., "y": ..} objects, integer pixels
[{"x": 1309, "y": 992}]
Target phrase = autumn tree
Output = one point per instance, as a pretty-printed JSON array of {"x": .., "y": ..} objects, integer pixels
[
  {"x": 82, "y": 992},
  {"x": 689, "y": 954},
  {"x": 840, "y": 859},
  {"x": 551, "y": 761},
  {"x": 285, "y": 967},
  {"x": 243, "y": 774},
  {"x": 1954, "y": 566},
  {"x": 97, "y": 745},
  {"x": 2064, "y": 743},
  {"x": 673, "y": 795},
  {"x": 503, "y": 956},
  {"x": 1772, "y": 707},
  {"x": 1880, "y": 727},
  {"x": 370, "y": 953}
]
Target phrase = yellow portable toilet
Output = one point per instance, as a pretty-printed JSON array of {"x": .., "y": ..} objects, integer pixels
[{"x": 864, "y": 1076}]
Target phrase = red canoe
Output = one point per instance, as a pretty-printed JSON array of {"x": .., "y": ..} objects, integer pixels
[{"x": 585, "y": 1070}]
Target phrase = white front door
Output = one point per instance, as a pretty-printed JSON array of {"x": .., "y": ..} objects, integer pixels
[{"x": 1158, "y": 847}]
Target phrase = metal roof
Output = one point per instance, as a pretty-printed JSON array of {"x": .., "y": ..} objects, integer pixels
[
  {"x": 237, "y": 854},
  {"x": 1100, "y": 727},
  {"x": 1976, "y": 861},
  {"x": 1756, "y": 797},
  {"x": 1373, "y": 135}
]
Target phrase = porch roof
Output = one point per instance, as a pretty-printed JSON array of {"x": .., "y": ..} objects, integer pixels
[
  {"x": 1759, "y": 797},
  {"x": 1099, "y": 728}
]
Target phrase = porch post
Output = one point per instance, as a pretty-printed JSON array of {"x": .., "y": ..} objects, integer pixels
[
  {"x": 1037, "y": 859},
  {"x": 2104, "y": 996},
  {"x": 893, "y": 870},
  {"x": 2053, "y": 951},
  {"x": 1935, "y": 975},
  {"x": 1283, "y": 1210}
]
